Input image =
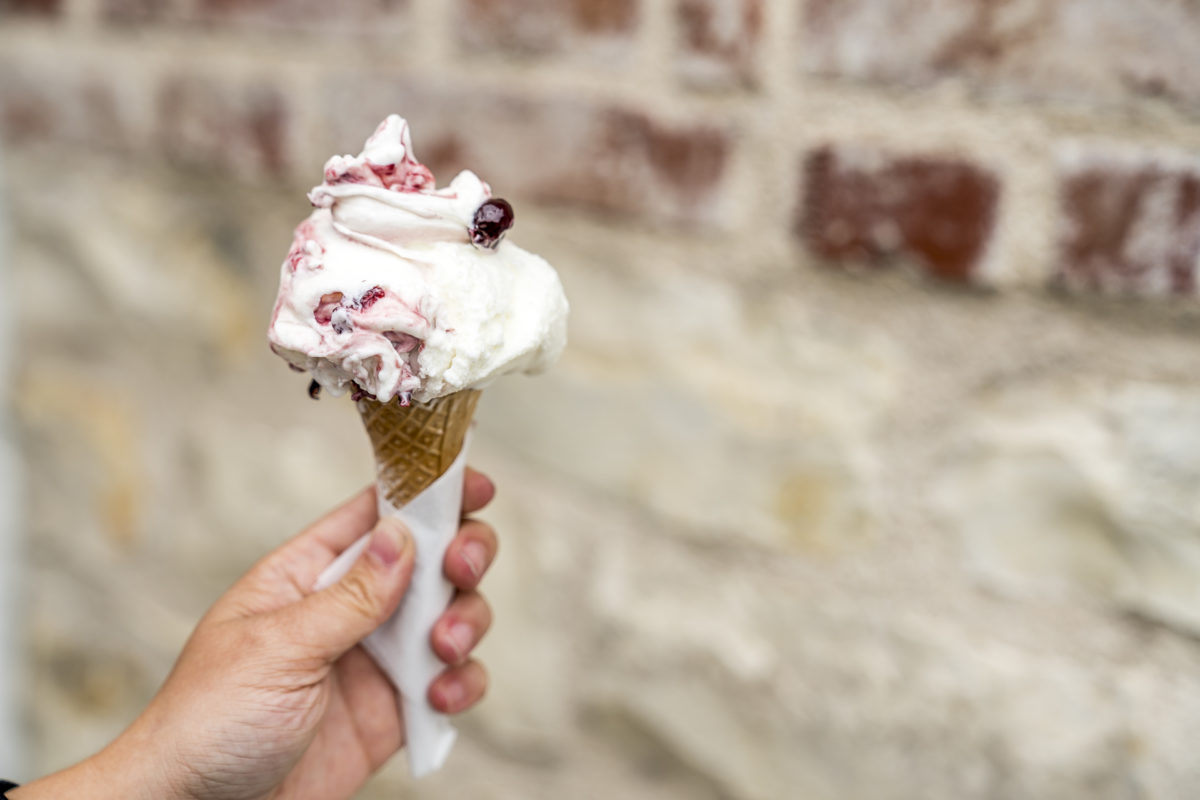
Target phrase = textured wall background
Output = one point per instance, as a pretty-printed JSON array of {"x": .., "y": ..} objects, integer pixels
[
  {"x": 11, "y": 661},
  {"x": 873, "y": 468}
]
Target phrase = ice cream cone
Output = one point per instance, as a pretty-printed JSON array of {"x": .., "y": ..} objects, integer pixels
[
  {"x": 414, "y": 445},
  {"x": 420, "y": 284}
]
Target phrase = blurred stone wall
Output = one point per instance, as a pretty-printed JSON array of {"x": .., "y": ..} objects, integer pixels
[
  {"x": 873, "y": 467},
  {"x": 12, "y": 658}
]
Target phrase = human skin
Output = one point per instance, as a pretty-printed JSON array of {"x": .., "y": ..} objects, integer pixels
[{"x": 272, "y": 697}]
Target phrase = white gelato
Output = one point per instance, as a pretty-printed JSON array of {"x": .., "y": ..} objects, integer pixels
[{"x": 410, "y": 291}]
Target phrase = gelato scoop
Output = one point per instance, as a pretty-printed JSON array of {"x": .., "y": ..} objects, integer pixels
[{"x": 408, "y": 291}]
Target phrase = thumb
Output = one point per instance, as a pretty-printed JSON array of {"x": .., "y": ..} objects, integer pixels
[{"x": 337, "y": 618}]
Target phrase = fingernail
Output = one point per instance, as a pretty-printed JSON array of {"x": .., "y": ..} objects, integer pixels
[
  {"x": 475, "y": 555},
  {"x": 387, "y": 542},
  {"x": 461, "y": 636}
]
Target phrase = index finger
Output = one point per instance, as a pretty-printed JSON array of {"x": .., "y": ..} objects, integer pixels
[
  {"x": 342, "y": 527},
  {"x": 315, "y": 548}
]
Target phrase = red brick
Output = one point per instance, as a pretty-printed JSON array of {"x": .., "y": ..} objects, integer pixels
[
  {"x": 603, "y": 16},
  {"x": 1130, "y": 226},
  {"x": 873, "y": 208},
  {"x": 719, "y": 41},
  {"x": 205, "y": 123},
  {"x": 61, "y": 100},
  {"x": 557, "y": 150},
  {"x": 685, "y": 161},
  {"x": 135, "y": 11},
  {"x": 530, "y": 26},
  {"x": 27, "y": 112},
  {"x": 36, "y": 7},
  {"x": 543, "y": 26},
  {"x": 1078, "y": 50},
  {"x": 311, "y": 16}
]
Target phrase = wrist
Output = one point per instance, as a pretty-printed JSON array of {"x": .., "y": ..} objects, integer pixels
[
  {"x": 74, "y": 780},
  {"x": 88, "y": 778},
  {"x": 143, "y": 760},
  {"x": 122, "y": 771}
]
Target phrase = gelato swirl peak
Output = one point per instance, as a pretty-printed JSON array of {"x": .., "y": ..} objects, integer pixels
[{"x": 386, "y": 160}]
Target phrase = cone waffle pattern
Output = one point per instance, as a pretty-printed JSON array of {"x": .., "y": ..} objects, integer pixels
[{"x": 414, "y": 446}]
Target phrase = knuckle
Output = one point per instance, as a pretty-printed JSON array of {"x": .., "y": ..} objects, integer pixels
[
  {"x": 257, "y": 634},
  {"x": 358, "y": 594}
]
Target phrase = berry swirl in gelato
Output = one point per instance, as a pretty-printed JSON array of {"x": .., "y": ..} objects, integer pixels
[{"x": 407, "y": 291}]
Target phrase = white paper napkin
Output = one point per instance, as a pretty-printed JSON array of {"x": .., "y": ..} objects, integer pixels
[{"x": 401, "y": 646}]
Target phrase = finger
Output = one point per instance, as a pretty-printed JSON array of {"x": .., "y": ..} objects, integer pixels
[
  {"x": 478, "y": 491},
  {"x": 341, "y": 527},
  {"x": 470, "y": 554},
  {"x": 310, "y": 551},
  {"x": 287, "y": 574},
  {"x": 459, "y": 688},
  {"x": 331, "y": 621},
  {"x": 461, "y": 627}
]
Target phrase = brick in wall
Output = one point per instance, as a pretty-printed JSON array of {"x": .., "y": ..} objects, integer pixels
[
  {"x": 35, "y": 7},
  {"x": 543, "y": 26},
  {"x": 64, "y": 100},
  {"x": 558, "y": 149},
  {"x": 314, "y": 16},
  {"x": 322, "y": 16},
  {"x": 136, "y": 11},
  {"x": 719, "y": 42},
  {"x": 868, "y": 207},
  {"x": 205, "y": 122},
  {"x": 1130, "y": 225},
  {"x": 26, "y": 111},
  {"x": 1099, "y": 50}
]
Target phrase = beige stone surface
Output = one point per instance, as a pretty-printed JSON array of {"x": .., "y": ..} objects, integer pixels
[{"x": 1107, "y": 474}]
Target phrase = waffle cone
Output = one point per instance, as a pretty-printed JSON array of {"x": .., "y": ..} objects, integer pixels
[{"x": 415, "y": 445}]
